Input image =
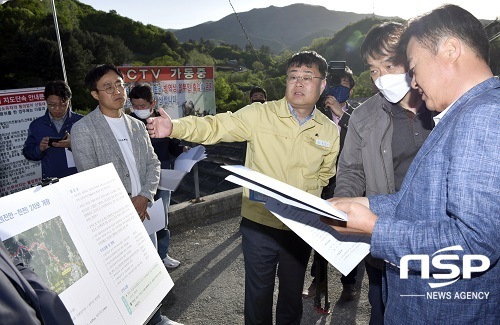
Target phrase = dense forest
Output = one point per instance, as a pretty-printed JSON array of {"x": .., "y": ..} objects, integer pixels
[{"x": 30, "y": 53}]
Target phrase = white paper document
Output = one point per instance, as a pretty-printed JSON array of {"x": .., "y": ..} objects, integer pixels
[
  {"x": 69, "y": 158},
  {"x": 299, "y": 211},
  {"x": 344, "y": 252},
  {"x": 282, "y": 192},
  {"x": 171, "y": 178},
  {"x": 83, "y": 238},
  {"x": 156, "y": 219},
  {"x": 186, "y": 160}
]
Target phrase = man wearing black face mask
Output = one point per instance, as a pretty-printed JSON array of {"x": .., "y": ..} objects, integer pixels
[{"x": 339, "y": 111}]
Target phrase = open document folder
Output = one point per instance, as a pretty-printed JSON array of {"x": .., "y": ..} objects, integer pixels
[
  {"x": 84, "y": 239},
  {"x": 299, "y": 211},
  {"x": 171, "y": 178}
]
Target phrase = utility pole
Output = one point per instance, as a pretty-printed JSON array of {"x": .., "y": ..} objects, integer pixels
[{"x": 56, "y": 24}]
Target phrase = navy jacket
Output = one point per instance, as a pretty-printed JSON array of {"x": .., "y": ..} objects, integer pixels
[{"x": 53, "y": 159}]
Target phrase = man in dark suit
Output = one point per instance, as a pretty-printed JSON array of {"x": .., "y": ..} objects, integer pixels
[{"x": 24, "y": 299}]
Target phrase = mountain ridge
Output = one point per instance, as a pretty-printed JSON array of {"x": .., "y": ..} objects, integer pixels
[{"x": 275, "y": 27}]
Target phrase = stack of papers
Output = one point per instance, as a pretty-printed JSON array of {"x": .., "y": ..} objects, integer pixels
[
  {"x": 171, "y": 178},
  {"x": 300, "y": 211},
  {"x": 283, "y": 192},
  {"x": 186, "y": 160}
]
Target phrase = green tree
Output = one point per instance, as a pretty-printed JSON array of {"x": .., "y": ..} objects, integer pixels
[
  {"x": 165, "y": 60},
  {"x": 224, "y": 51},
  {"x": 200, "y": 59},
  {"x": 364, "y": 87},
  {"x": 222, "y": 91},
  {"x": 275, "y": 87},
  {"x": 258, "y": 66}
]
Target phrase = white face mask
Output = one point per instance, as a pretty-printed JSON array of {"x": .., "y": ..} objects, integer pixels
[
  {"x": 394, "y": 86},
  {"x": 142, "y": 113}
]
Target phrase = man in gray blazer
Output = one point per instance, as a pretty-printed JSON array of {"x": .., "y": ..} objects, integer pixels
[{"x": 108, "y": 135}]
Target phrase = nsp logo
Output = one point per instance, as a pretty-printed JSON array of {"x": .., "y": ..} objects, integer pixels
[{"x": 438, "y": 263}]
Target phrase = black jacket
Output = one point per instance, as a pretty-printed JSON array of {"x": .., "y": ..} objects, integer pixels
[{"x": 343, "y": 123}]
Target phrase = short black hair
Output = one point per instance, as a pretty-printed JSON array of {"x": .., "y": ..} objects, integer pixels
[
  {"x": 142, "y": 91},
  {"x": 309, "y": 59},
  {"x": 58, "y": 88},
  {"x": 448, "y": 20},
  {"x": 347, "y": 73},
  {"x": 381, "y": 40},
  {"x": 258, "y": 90},
  {"x": 96, "y": 73}
]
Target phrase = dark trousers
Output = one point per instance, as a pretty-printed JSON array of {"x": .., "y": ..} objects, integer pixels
[
  {"x": 320, "y": 260},
  {"x": 375, "y": 294},
  {"x": 266, "y": 251}
]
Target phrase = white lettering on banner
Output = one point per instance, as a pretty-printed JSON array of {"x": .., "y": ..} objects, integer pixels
[
  {"x": 132, "y": 74},
  {"x": 176, "y": 72},
  {"x": 437, "y": 262}
]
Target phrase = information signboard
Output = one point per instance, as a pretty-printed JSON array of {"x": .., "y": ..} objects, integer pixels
[
  {"x": 18, "y": 108},
  {"x": 180, "y": 91}
]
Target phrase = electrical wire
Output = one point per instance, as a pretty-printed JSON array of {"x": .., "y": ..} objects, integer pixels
[{"x": 249, "y": 41}]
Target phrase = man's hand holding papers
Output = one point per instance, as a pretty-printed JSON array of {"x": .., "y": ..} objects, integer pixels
[{"x": 360, "y": 220}]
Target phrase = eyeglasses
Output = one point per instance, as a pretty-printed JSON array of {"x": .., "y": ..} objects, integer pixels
[
  {"x": 62, "y": 105},
  {"x": 110, "y": 89},
  {"x": 303, "y": 79}
]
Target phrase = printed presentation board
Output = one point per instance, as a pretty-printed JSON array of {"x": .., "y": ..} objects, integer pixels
[
  {"x": 83, "y": 237},
  {"x": 18, "y": 108}
]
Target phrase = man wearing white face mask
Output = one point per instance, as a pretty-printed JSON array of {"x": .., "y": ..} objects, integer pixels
[
  {"x": 143, "y": 104},
  {"x": 384, "y": 135}
]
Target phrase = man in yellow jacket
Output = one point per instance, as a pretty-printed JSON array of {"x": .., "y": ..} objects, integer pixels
[{"x": 291, "y": 141}]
